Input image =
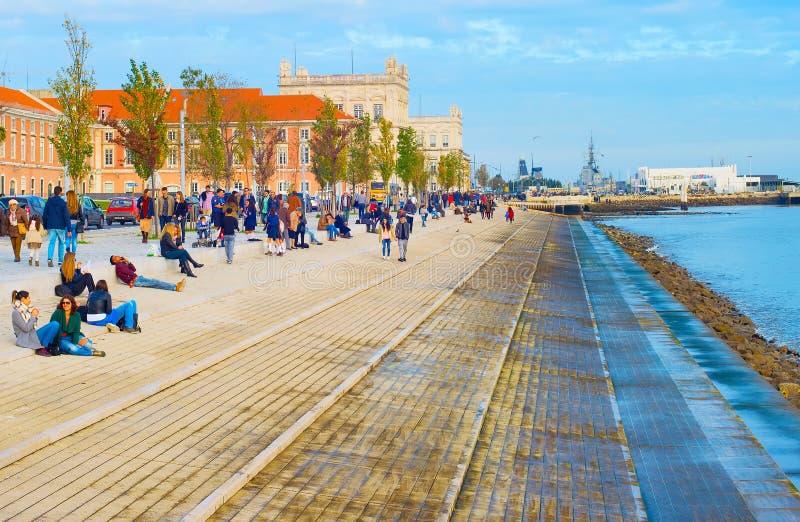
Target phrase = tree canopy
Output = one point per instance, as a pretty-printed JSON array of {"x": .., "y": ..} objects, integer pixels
[
  {"x": 384, "y": 151},
  {"x": 329, "y": 146}
]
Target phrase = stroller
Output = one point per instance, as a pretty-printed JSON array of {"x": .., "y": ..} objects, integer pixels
[{"x": 203, "y": 235}]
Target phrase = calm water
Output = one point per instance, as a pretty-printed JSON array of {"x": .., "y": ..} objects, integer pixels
[{"x": 751, "y": 254}]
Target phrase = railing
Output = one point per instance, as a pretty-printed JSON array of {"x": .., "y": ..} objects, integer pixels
[{"x": 336, "y": 79}]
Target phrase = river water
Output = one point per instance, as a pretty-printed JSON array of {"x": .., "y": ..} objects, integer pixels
[{"x": 750, "y": 254}]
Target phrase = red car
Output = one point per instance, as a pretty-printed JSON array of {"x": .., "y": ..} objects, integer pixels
[{"x": 121, "y": 210}]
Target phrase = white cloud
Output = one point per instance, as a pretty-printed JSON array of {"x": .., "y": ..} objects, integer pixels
[{"x": 382, "y": 40}]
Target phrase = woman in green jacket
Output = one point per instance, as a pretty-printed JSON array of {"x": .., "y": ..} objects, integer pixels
[{"x": 70, "y": 338}]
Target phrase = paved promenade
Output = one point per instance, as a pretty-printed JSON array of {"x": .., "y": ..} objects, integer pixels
[{"x": 505, "y": 372}]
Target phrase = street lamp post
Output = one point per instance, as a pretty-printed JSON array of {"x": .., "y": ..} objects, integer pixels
[{"x": 183, "y": 148}]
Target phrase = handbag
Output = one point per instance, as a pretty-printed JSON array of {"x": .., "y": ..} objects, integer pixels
[{"x": 22, "y": 228}]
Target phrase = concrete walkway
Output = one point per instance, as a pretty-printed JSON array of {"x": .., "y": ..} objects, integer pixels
[{"x": 506, "y": 372}]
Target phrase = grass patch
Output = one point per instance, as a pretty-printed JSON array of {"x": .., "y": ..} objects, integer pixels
[
  {"x": 83, "y": 242},
  {"x": 103, "y": 203}
]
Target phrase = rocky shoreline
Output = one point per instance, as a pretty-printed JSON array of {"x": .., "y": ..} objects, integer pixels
[
  {"x": 639, "y": 204},
  {"x": 778, "y": 364}
]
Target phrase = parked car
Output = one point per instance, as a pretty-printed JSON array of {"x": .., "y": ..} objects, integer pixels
[
  {"x": 313, "y": 203},
  {"x": 33, "y": 205},
  {"x": 193, "y": 202},
  {"x": 121, "y": 210},
  {"x": 93, "y": 214}
]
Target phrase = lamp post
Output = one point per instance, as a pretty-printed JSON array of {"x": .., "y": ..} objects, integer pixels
[
  {"x": 183, "y": 148},
  {"x": 303, "y": 169}
]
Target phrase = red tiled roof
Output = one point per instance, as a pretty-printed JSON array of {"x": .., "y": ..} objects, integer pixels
[
  {"x": 22, "y": 100},
  {"x": 289, "y": 107}
]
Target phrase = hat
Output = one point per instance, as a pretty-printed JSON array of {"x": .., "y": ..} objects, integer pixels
[{"x": 12, "y": 202}]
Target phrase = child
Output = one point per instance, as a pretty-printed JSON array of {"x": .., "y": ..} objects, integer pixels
[
  {"x": 424, "y": 213},
  {"x": 34, "y": 238},
  {"x": 202, "y": 228},
  {"x": 510, "y": 215},
  {"x": 229, "y": 225}
]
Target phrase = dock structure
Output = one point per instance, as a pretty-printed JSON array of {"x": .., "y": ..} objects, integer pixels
[
  {"x": 508, "y": 371},
  {"x": 568, "y": 205}
]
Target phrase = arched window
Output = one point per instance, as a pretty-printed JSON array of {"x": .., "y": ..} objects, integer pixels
[
  {"x": 49, "y": 189},
  {"x": 41, "y": 187},
  {"x": 91, "y": 184},
  {"x": 12, "y": 188},
  {"x": 83, "y": 190},
  {"x": 33, "y": 186}
]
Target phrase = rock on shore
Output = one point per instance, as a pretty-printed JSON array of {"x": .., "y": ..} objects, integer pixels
[
  {"x": 778, "y": 364},
  {"x": 634, "y": 203}
]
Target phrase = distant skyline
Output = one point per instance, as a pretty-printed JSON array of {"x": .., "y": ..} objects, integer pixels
[{"x": 660, "y": 84}]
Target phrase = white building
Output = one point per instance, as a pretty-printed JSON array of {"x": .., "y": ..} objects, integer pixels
[{"x": 722, "y": 180}]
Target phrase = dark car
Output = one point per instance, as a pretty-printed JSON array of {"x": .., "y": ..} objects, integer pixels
[
  {"x": 33, "y": 205},
  {"x": 92, "y": 213},
  {"x": 121, "y": 210}
]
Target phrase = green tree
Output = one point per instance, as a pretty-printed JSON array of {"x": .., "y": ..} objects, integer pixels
[
  {"x": 482, "y": 175},
  {"x": 497, "y": 183},
  {"x": 204, "y": 117},
  {"x": 329, "y": 147},
  {"x": 73, "y": 87},
  {"x": 452, "y": 170},
  {"x": 258, "y": 138},
  {"x": 2, "y": 134},
  {"x": 419, "y": 175},
  {"x": 144, "y": 133},
  {"x": 407, "y": 149},
  {"x": 384, "y": 151},
  {"x": 360, "y": 164}
]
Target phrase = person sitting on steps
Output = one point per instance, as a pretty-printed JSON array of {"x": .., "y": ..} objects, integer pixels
[
  {"x": 70, "y": 338},
  {"x": 24, "y": 320},
  {"x": 170, "y": 250},
  {"x": 100, "y": 313},
  {"x": 74, "y": 276}
]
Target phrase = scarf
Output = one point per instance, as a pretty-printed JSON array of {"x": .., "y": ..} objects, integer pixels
[
  {"x": 12, "y": 218},
  {"x": 23, "y": 310}
]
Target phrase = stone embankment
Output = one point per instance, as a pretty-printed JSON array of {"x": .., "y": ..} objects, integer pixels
[
  {"x": 778, "y": 364},
  {"x": 635, "y": 204}
]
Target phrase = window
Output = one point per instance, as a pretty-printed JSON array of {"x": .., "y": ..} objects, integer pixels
[
  {"x": 13, "y": 146},
  {"x": 41, "y": 187},
  {"x": 22, "y": 126},
  {"x": 433, "y": 140},
  {"x": 304, "y": 134},
  {"x": 22, "y": 148},
  {"x": 128, "y": 157},
  {"x": 420, "y": 138},
  {"x": 304, "y": 154},
  {"x": 109, "y": 135},
  {"x": 108, "y": 187},
  {"x": 445, "y": 141},
  {"x": 238, "y": 185},
  {"x": 172, "y": 157},
  {"x": 377, "y": 111},
  {"x": 282, "y": 135},
  {"x": 50, "y": 152},
  {"x": 283, "y": 186},
  {"x": 33, "y": 149},
  {"x": 195, "y": 187},
  {"x": 102, "y": 114},
  {"x": 237, "y": 158},
  {"x": 41, "y": 128},
  {"x": 13, "y": 123},
  {"x": 358, "y": 110},
  {"x": 22, "y": 186},
  {"x": 108, "y": 157},
  {"x": 305, "y": 186},
  {"x": 171, "y": 135},
  {"x": 283, "y": 155},
  {"x": 12, "y": 188},
  {"x": 33, "y": 186},
  {"x": 340, "y": 106},
  {"x": 41, "y": 150}
]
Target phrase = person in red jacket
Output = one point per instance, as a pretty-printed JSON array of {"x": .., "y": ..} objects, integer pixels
[
  {"x": 510, "y": 215},
  {"x": 126, "y": 273}
]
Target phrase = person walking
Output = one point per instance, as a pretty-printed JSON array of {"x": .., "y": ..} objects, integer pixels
[
  {"x": 510, "y": 215},
  {"x": 386, "y": 236},
  {"x": 126, "y": 274},
  {"x": 229, "y": 227},
  {"x": 402, "y": 232},
  {"x": 181, "y": 214},
  {"x": 146, "y": 211},
  {"x": 346, "y": 203},
  {"x": 70, "y": 338},
  {"x": 16, "y": 225},
  {"x": 217, "y": 202},
  {"x": 24, "y": 320},
  {"x": 423, "y": 213},
  {"x": 76, "y": 222},
  {"x": 55, "y": 219},
  {"x": 273, "y": 228},
  {"x": 34, "y": 239},
  {"x": 205, "y": 200},
  {"x": 99, "y": 311},
  {"x": 361, "y": 203},
  {"x": 249, "y": 218},
  {"x": 165, "y": 208},
  {"x": 410, "y": 209}
]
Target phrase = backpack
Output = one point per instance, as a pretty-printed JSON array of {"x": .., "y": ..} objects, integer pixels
[{"x": 62, "y": 290}]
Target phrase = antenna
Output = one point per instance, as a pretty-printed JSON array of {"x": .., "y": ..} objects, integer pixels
[
  {"x": 294, "y": 65},
  {"x": 352, "y": 67},
  {"x": 3, "y": 72},
  {"x": 420, "y": 105}
]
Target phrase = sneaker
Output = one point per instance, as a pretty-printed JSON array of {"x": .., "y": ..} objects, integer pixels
[
  {"x": 131, "y": 330},
  {"x": 50, "y": 263},
  {"x": 229, "y": 262},
  {"x": 180, "y": 284},
  {"x": 37, "y": 262},
  {"x": 98, "y": 353},
  {"x": 42, "y": 351},
  {"x": 30, "y": 261},
  {"x": 112, "y": 328}
]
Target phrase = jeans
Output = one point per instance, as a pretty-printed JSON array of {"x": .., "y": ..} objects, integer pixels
[
  {"x": 424, "y": 218},
  {"x": 360, "y": 212},
  {"x": 410, "y": 220},
  {"x": 67, "y": 346},
  {"x": 47, "y": 333},
  {"x": 332, "y": 232},
  {"x": 163, "y": 220},
  {"x": 59, "y": 235},
  {"x": 126, "y": 310},
  {"x": 181, "y": 255},
  {"x": 182, "y": 223},
  {"x": 146, "y": 282},
  {"x": 311, "y": 235},
  {"x": 402, "y": 245},
  {"x": 386, "y": 247},
  {"x": 72, "y": 242},
  {"x": 346, "y": 214},
  {"x": 229, "y": 244}
]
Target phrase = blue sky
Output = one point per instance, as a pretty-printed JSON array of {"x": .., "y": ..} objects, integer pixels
[{"x": 673, "y": 83}]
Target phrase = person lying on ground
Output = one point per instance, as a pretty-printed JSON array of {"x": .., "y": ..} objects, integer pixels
[{"x": 126, "y": 273}]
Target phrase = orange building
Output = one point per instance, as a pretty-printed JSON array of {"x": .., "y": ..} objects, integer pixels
[
  {"x": 291, "y": 115},
  {"x": 28, "y": 162}
]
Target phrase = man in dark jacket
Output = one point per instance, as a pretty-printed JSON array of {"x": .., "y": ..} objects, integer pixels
[
  {"x": 126, "y": 273},
  {"x": 55, "y": 219},
  {"x": 402, "y": 231}
]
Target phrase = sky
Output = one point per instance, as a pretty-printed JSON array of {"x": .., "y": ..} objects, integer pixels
[{"x": 673, "y": 83}]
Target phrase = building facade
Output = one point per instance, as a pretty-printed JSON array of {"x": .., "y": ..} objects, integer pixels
[
  {"x": 28, "y": 161},
  {"x": 381, "y": 95},
  {"x": 721, "y": 180}
]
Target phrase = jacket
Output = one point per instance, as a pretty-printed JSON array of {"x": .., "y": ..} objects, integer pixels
[
  {"x": 25, "y": 331},
  {"x": 98, "y": 306},
  {"x": 71, "y": 328},
  {"x": 35, "y": 236},
  {"x": 22, "y": 217},
  {"x": 150, "y": 212},
  {"x": 55, "y": 215},
  {"x": 167, "y": 244},
  {"x": 402, "y": 230},
  {"x": 229, "y": 225},
  {"x": 392, "y": 237},
  {"x": 159, "y": 204},
  {"x": 126, "y": 272}
]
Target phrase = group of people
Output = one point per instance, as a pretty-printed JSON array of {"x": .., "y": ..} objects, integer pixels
[{"x": 62, "y": 220}]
